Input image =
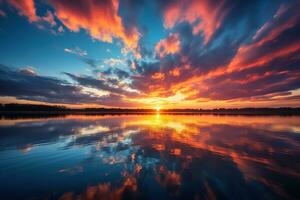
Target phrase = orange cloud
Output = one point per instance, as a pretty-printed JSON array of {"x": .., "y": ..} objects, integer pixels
[
  {"x": 175, "y": 72},
  {"x": 244, "y": 58},
  {"x": 99, "y": 18},
  {"x": 25, "y": 8},
  {"x": 209, "y": 14},
  {"x": 170, "y": 45},
  {"x": 247, "y": 55},
  {"x": 158, "y": 76}
]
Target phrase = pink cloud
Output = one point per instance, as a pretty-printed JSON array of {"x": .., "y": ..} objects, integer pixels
[
  {"x": 49, "y": 18},
  {"x": 204, "y": 15}
]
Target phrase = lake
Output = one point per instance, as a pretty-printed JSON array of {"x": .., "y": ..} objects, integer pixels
[{"x": 150, "y": 157}]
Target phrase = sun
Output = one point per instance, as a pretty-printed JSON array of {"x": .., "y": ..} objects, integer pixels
[{"x": 157, "y": 108}]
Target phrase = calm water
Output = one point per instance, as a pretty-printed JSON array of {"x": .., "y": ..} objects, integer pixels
[{"x": 150, "y": 157}]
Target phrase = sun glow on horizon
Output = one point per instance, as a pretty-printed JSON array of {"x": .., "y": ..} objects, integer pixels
[{"x": 157, "y": 108}]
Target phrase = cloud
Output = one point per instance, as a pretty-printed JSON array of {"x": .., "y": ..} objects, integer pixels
[
  {"x": 170, "y": 45},
  {"x": 99, "y": 18},
  {"x": 27, "y": 85},
  {"x": 249, "y": 61},
  {"x": 109, "y": 85},
  {"x": 205, "y": 16},
  {"x": 25, "y": 8},
  {"x": 2, "y": 13},
  {"x": 158, "y": 76},
  {"x": 175, "y": 72},
  {"x": 77, "y": 51},
  {"x": 40, "y": 88},
  {"x": 28, "y": 71},
  {"x": 60, "y": 29},
  {"x": 114, "y": 62},
  {"x": 49, "y": 18},
  {"x": 90, "y": 61},
  {"x": 119, "y": 73}
]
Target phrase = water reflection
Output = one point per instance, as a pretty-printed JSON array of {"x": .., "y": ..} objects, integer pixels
[{"x": 151, "y": 157}]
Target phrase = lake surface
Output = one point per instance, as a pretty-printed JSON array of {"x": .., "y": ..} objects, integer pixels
[{"x": 150, "y": 157}]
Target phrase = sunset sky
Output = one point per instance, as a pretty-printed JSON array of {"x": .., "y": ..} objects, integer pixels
[{"x": 150, "y": 53}]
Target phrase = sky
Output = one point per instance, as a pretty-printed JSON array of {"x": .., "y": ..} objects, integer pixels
[{"x": 150, "y": 53}]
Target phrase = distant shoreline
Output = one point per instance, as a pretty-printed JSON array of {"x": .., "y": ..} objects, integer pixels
[
  {"x": 37, "y": 113},
  {"x": 29, "y": 109}
]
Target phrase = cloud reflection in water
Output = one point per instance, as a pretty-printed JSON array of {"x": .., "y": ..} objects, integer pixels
[{"x": 152, "y": 157}]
